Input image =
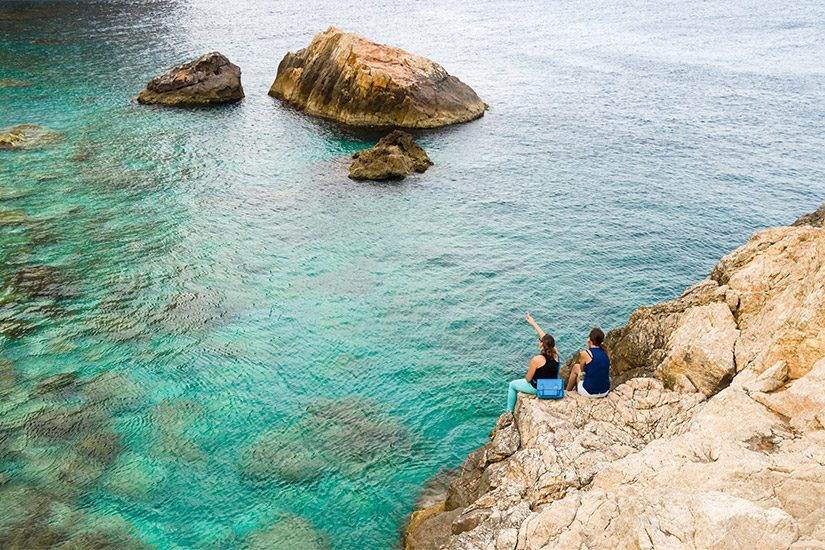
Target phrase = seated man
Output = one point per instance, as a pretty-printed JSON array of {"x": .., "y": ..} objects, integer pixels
[{"x": 590, "y": 374}]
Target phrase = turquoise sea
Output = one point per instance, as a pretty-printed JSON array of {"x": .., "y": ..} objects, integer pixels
[{"x": 255, "y": 351}]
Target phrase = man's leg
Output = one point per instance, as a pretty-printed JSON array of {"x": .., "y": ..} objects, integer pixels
[{"x": 574, "y": 377}]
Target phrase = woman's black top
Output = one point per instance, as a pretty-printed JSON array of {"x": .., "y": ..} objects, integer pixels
[{"x": 550, "y": 369}]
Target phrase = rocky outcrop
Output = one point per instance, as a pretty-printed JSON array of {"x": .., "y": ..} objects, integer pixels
[
  {"x": 26, "y": 136},
  {"x": 763, "y": 302},
  {"x": 209, "y": 79},
  {"x": 394, "y": 156},
  {"x": 346, "y": 78},
  {"x": 715, "y": 440}
]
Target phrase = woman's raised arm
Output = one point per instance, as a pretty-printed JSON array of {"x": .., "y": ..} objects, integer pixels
[{"x": 534, "y": 325}]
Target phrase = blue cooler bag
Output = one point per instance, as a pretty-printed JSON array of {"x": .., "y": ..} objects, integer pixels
[{"x": 550, "y": 388}]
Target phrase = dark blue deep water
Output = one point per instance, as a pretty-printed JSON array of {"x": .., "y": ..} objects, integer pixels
[{"x": 261, "y": 352}]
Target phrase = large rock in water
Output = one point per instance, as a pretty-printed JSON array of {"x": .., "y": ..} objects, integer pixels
[
  {"x": 207, "y": 80},
  {"x": 394, "y": 156},
  {"x": 349, "y": 79},
  {"x": 740, "y": 463}
]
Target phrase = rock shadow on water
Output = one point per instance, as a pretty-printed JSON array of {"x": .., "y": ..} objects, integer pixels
[{"x": 347, "y": 436}]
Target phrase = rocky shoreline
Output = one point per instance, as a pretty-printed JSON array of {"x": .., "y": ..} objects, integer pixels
[{"x": 714, "y": 434}]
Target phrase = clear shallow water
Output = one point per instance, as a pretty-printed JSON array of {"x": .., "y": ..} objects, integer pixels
[{"x": 293, "y": 351}]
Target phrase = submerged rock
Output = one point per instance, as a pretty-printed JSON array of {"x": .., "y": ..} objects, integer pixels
[
  {"x": 348, "y": 435},
  {"x": 62, "y": 422},
  {"x": 57, "y": 385},
  {"x": 209, "y": 79},
  {"x": 394, "y": 156},
  {"x": 103, "y": 446},
  {"x": 174, "y": 425},
  {"x": 113, "y": 392},
  {"x": 12, "y": 217},
  {"x": 288, "y": 532},
  {"x": 13, "y": 83},
  {"x": 133, "y": 476},
  {"x": 42, "y": 281},
  {"x": 8, "y": 376},
  {"x": 26, "y": 136},
  {"x": 349, "y": 79}
]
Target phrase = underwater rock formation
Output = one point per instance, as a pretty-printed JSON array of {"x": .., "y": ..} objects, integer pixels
[
  {"x": 287, "y": 532},
  {"x": 346, "y": 78},
  {"x": 394, "y": 156},
  {"x": 58, "y": 442},
  {"x": 209, "y": 79},
  {"x": 715, "y": 440},
  {"x": 26, "y": 136},
  {"x": 348, "y": 435}
]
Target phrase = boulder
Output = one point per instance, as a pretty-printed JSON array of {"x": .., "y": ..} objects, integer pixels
[
  {"x": 394, "y": 156},
  {"x": 26, "y": 136},
  {"x": 209, "y": 79},
  {"x": 346, "y": 78}
]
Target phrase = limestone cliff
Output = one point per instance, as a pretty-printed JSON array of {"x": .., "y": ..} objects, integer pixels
[
  {"x": 715, "y": 440},
  {"x": 349, "y": 79}
]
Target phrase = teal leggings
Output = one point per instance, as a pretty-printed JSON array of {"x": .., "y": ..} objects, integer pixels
[{"x": 520, "y": 385}]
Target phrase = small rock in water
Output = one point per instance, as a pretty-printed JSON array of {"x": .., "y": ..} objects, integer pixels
[
  {"x": 394, "y": 156},
  {"x": 26, "y": 136},
  {"x": 209, "y": 79}
]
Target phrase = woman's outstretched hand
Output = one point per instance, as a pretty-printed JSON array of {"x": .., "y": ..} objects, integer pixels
[{"x": 534, "y": 325}]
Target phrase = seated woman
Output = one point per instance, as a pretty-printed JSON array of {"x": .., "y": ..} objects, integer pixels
[
  {"x": 544, "y": 365},
  {"x": 590, "y": 375}
]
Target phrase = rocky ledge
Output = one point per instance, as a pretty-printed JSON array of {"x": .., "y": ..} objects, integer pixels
[
  {"x": 349, "y": 79},
  {"x": 209, "y": 79},
  {"x": 394, "y": 156},
  {"x": 716, "y": 438}
]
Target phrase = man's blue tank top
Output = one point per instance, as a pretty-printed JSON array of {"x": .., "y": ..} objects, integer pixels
[{"x": 597, "y": 372}]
